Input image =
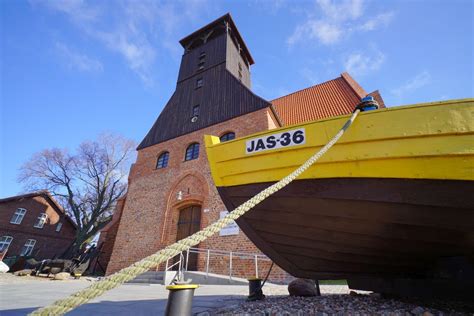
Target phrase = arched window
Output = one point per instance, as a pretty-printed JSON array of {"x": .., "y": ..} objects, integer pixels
[
  {"x": 163, "y": 160},
  {"x": 5, "y": 242},
  {"x": 192, "y": 152},
  {"x": 18, "y": 216},
  {"x": 227, "y": 136}
]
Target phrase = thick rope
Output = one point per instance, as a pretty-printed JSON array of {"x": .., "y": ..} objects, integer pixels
[{"x": 61, "y": 307}]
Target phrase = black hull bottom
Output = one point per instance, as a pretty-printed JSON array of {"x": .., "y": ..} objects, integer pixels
[{"x": 360, "y": 228}]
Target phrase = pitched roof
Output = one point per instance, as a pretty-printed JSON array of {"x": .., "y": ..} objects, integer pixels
[
  {"x": 46, "y": 195},
  {"x": 331, "y": 98},
  {"x": 225, "y": 18},
  {"x": 223, "y": 97}
]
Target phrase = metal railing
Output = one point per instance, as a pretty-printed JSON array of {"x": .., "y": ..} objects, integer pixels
[
  {"x": 178, "y": 263},
  {"x": 207, "y": 254}
]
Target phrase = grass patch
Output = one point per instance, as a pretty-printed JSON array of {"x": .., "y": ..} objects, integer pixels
[{"x": 333, "y": 282}]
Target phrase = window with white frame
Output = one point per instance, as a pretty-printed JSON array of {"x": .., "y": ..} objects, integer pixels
[
  {"x": 58, "y": 227},
  {"x": 41, "y": 220},
  {"x": 5, "y": 242},
  {"x": 28, "y": 247},
  {"x": 18, "y": 216}
]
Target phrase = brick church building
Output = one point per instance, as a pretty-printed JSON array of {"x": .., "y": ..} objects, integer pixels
[{"x": 171, "y": 193}]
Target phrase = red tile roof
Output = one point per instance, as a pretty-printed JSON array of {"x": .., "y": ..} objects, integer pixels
[
  {"x": 45, "y": 194},
  {"x": 331, "y": 98}
]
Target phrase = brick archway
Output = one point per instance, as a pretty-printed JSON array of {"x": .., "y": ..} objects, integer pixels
[{"x": 190, "y": 189}]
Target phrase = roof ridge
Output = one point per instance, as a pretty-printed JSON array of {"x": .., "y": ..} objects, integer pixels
[
  {"x": 307, "y": 88},
  {"x": 24, "y": 195},
  {"x": 354, "y": 85}
]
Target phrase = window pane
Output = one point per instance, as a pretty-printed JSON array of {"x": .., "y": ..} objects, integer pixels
[
  {"x": 163, "y": 160},
  {"x": 5, "y": 242},
  {"x": 199, "y": 83},
  {"x": 189, "y": 153},
  {"x": 227, "y": 136},
  {"x": 196, "y": 110},
  {"x": 201, "y": 62},
  {"x": 41, "y": 220},
  {"x": 28, "y": 247},
  {"x": 18, "y": 216},
  {"x": 196, "y": 151},
  {"x": 192, "y": 152}
]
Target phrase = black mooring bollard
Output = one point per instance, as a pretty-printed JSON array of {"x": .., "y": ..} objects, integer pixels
[
  {"x": 318, "y": 290},
  {"x": 255, "y": 289},
  {"x": 180, "y": 299}
]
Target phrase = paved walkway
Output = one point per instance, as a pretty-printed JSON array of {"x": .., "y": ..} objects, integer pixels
[
  {"x": 22, "y": 295},
  {"x": 19, "y": 296}
]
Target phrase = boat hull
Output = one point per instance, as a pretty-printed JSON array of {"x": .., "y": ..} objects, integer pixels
[
  {"x": 359, "y": 227},
  {"x": 393, "y": 199}
]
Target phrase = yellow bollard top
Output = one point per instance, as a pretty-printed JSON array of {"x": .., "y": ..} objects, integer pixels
[{"x": 182, "y": 287}]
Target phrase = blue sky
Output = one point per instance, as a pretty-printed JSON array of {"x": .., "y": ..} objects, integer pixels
[{"x": 73, "y": 69}]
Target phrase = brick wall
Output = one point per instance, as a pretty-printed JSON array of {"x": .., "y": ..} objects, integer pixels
[
  {"x": 107, "y": 239},
  {"x": 49, "y": 243},
  {"x": 151, "y": 211}
]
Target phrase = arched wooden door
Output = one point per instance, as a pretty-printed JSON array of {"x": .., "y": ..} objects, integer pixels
[{"x": 189, "y": 223}]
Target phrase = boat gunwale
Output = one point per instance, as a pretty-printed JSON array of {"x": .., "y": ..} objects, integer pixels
[
  {"x": 348, "y": 143},
  {"x": 378, "y": 111}
]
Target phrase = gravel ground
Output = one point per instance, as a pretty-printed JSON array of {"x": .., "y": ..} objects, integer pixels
[{"x": 336, "y": 300}]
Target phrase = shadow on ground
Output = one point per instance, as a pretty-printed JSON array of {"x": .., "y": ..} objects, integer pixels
[{"x": 139, "y": 307}]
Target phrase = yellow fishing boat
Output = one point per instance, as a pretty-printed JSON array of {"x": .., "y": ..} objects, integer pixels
[{"x": 392, "y": 200}]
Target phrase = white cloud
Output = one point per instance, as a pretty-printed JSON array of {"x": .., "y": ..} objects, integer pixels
[
  {"x": 383, "y": 19},
  {"x": 420, "y": 80},
  {"x": 360, "y": 64},
  {"x": 331, "y": 21},
  {"x": 133, "y": 29},
  {"x": 327, "y": 33},
  {"x": 322, "y": 31},
  {"x": 78, "y": 61},
  {"x": 76, "y": 9},
  {"x": 342, "y": 10}
]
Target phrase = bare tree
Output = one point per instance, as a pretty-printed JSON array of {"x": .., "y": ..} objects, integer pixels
[{"x": 87, "y": 183}]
